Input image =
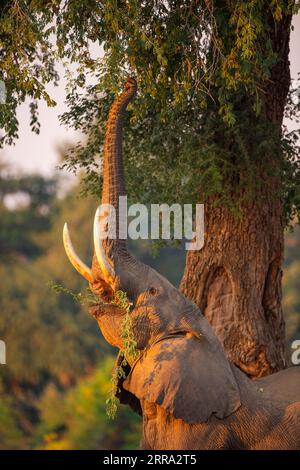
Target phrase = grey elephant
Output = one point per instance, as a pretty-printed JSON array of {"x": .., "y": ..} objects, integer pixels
[{"x": 189, "y": 394}]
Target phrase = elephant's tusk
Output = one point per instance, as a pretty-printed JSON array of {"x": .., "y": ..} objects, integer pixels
[
  {"x": 106, "y": 268},
  {"x": 79, "y": 265}
]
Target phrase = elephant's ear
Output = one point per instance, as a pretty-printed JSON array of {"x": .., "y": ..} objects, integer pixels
[{"x": 187, "y": 376}]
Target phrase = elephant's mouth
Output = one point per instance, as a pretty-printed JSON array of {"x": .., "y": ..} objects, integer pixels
[
  {"x": 102, "y": 302},
  {"x": 100, "y": 309},
  {"x": 97, "y": 309}
]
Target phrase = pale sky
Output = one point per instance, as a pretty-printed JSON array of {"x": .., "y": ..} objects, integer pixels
[{"x": 38, "y": 153}]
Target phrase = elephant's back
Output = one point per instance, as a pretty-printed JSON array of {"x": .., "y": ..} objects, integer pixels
[{"x": 283, "y": 387}]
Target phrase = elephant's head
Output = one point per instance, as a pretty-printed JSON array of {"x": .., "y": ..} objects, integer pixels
[{"x": 182, "y": 365}]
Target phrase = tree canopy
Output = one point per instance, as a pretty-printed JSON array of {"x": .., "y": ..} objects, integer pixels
[{"x": 204, "y": 71}]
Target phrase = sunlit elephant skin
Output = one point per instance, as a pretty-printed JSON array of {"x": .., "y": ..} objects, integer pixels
[{"x": 188, "y": 392}]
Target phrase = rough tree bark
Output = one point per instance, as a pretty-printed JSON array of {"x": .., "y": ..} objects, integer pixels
[{"x": 236, "y": 278}]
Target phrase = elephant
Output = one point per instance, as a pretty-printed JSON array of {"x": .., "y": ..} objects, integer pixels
[{"x": 189, "y": 394}]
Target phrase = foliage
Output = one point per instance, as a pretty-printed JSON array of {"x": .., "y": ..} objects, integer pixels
[
  {"x": 84, "y": 298},
  {"x": 199, "y": 122},
  {"x": 129, "y": 343},
  {"x": 28, "y": 323},
  {"x": 22, "y": 226},
  {"x": 48, "y": 338},
  {"x": 112, "y": 402},
  {"x": 204, "y": 68},
  {"x": 27, "y": 60},
  {"x": 291, "y": 163},
  {"x": 129, "y": 353},
  {"x": 77, "y": 419},
  {"x": 10, "y": 434}
]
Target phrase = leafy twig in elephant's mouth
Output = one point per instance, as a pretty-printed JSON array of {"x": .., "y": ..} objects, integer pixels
[{"x": 130, "y": 350}]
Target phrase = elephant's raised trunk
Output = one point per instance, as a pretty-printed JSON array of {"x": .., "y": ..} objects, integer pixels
[
  {"x": 113, "y": 171},
  {"x": 107, "y": 244},
  {"x": 107, "y": 240}
]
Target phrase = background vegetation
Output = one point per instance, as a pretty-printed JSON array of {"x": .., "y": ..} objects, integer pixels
[{"x": 57, "y": 378}]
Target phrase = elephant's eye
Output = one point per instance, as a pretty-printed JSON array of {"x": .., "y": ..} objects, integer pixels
[{"x": 152, "y": 291}]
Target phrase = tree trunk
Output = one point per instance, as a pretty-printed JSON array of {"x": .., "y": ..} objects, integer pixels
[
  {"x": 236, "y": 281},
  {"x": 236, "y": 278}
]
